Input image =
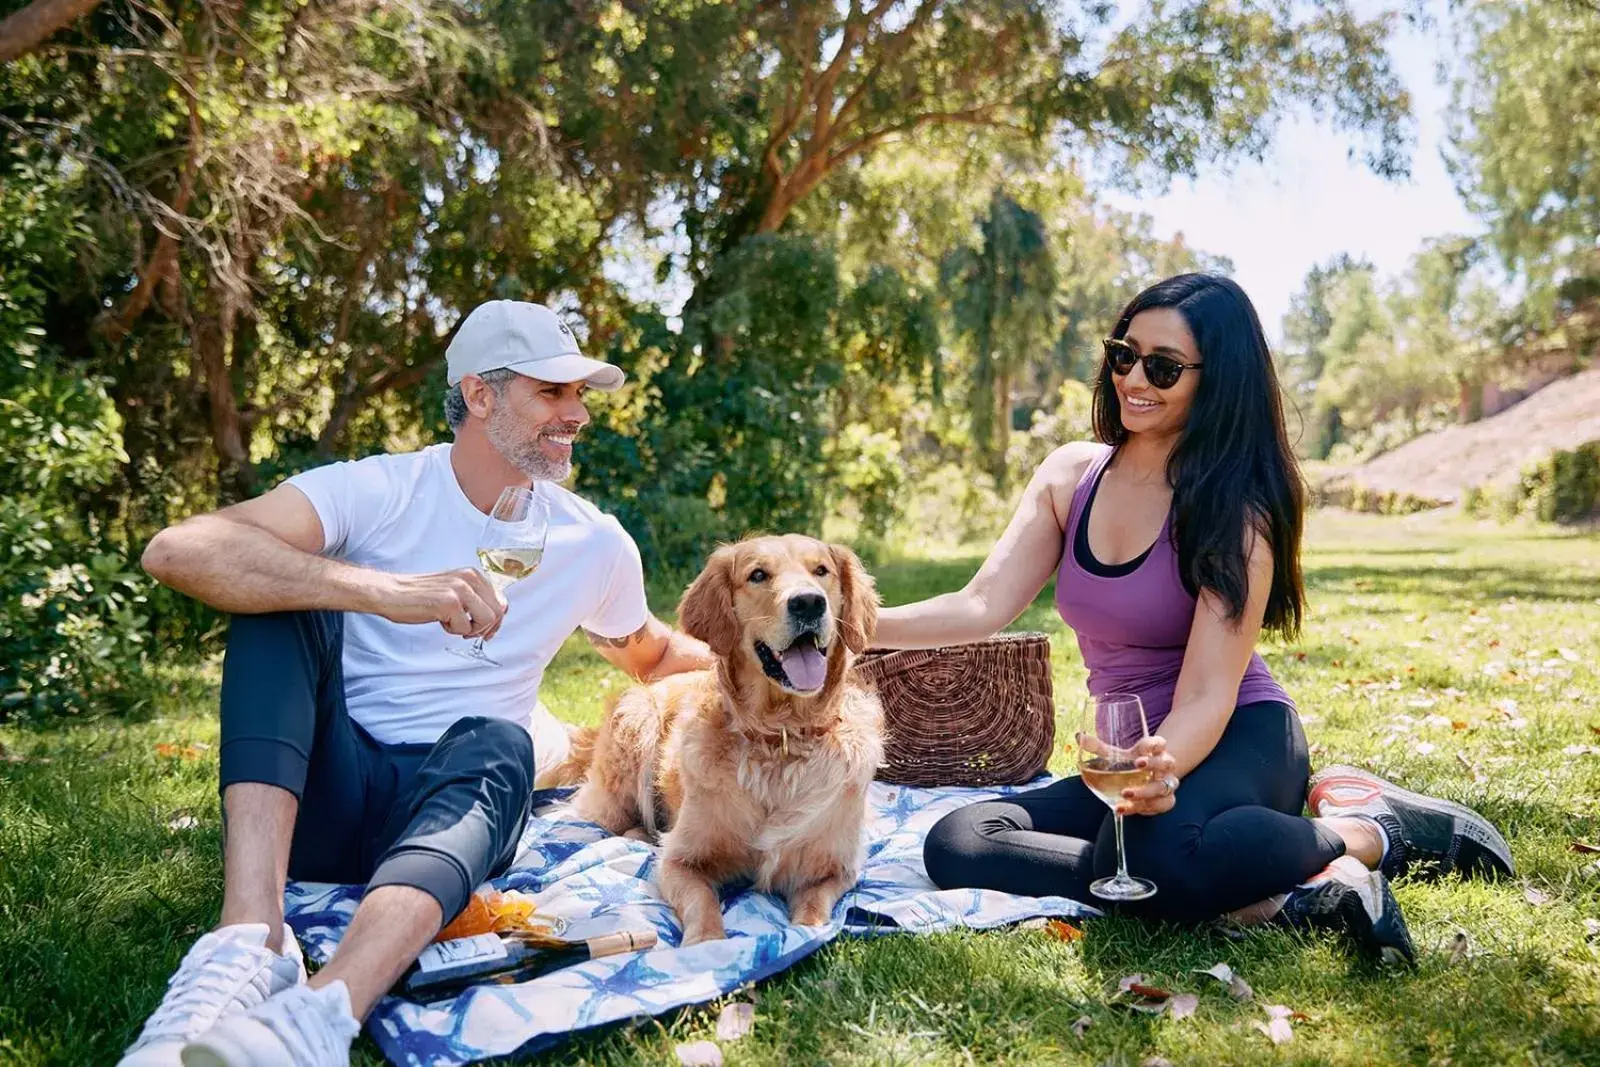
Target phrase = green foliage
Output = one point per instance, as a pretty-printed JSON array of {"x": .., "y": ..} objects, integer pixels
[
  {"x": 1564, "y": 486},
  {"x": 254, "y": 225},
  {"x": 1371, "y": 364},
  {"x": 1354, "y": 496},
  {"x": 869, "y": 471},
  {"x": 73, "y": 628},
  {"x": 1001, "y": 302},
  {"x": 1526, "y": 136}
]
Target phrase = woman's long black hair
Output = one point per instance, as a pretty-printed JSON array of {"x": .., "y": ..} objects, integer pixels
[{"x": 1232, "y": 470}]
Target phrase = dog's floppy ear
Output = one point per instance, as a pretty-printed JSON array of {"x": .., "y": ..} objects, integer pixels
[
  {"x": 858, "y": 619},
  {"x": 706, "y": 610}
]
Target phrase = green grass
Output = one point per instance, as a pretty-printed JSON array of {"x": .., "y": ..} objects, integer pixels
[{"x": 99, "y": 897}]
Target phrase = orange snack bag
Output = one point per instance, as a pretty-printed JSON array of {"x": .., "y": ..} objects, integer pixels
[{"x": 489, "y": 911}]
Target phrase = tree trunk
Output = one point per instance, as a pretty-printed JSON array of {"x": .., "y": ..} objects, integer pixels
[
  {"x": 25, "y": 30},
  {"x": 1002, "y": 423},
  {"x": 236, "y": 477}
]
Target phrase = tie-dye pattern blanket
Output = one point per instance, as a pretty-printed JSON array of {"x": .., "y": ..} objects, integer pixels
[{"x": 600, "y": 883}]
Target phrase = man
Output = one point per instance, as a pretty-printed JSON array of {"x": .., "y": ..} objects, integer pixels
[{"x": 358, "y": 744}]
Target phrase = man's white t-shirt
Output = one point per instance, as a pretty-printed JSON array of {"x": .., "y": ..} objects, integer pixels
[{"x": 406, "y": 514}]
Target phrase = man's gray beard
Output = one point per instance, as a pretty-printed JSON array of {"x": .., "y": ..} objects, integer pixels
[{"x": 524, "y": 454}]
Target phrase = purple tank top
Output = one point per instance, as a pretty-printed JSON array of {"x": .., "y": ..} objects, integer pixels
[{"x": 1132, "y": 629}]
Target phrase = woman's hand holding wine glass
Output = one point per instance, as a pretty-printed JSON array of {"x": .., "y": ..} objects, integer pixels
[
  {"x": 1128, "y": 769},
  {"x": 1158, "y": 793}
]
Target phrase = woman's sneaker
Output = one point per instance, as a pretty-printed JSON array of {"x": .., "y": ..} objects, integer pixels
[
  {"x": 1348, "y": 899},
  {"x": 1424, "y": 832},
  {"x": 226, "y": 972}
]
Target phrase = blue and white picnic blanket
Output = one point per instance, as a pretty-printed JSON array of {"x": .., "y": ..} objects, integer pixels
[{"x": 600, "y": 883}]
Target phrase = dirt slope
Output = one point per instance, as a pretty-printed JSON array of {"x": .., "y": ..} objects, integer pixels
[{"x": 1493, "y": 451}]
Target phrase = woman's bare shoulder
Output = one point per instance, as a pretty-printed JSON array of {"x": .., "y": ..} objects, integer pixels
[
  {"x": 1063, "y": 469},
  {"x": 1066, "y": 466}
]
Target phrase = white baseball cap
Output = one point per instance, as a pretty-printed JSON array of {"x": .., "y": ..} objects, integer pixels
[{"x": 527, "y": 338}]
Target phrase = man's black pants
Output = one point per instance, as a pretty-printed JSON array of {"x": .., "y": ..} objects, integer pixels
[{"x": 441, "y": 817}]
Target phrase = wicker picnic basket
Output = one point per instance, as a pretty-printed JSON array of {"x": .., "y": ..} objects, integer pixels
[{"x": 978, "y": 714}]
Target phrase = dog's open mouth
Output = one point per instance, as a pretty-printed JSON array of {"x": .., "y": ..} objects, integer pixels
[{"x": 800, "y": 668}]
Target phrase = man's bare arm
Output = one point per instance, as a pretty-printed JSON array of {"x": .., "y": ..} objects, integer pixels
[
  {"x": 262, "y": 555},
  {"x": 653, "y": 651}
]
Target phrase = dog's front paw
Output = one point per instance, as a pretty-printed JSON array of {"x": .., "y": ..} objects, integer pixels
[
  {"x": 810, "y": 913},
  {"x": 704, "y": 932}
]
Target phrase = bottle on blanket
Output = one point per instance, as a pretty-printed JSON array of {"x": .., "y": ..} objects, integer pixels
[{"x": 446, "y": 968}]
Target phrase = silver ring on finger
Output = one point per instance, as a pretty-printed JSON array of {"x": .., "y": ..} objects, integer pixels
[{"x": 1171, "y": 783}]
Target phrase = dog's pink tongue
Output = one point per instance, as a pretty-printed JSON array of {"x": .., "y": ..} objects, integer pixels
[{"x": 804, "y": 665}]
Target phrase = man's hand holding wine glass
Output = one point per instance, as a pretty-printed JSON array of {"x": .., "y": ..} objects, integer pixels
[{"x": 463, "y": 601}]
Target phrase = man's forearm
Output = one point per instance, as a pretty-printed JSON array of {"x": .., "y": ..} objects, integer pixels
[
  {"x": 244, "y": 570},
  {"x": 683, "y": 653}
]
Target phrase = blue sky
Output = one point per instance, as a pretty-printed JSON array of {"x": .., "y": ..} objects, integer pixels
[{"x": 1308, "y": 201}]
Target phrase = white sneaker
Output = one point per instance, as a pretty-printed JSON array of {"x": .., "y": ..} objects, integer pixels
[
  {"x": 300, "y": 1027},
  {"x": 226, "y": 972}
]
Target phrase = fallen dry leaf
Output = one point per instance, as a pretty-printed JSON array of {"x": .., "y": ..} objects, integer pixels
[
  {"x": 1063, "y": 931},
  {"x": 1277, "y": 1026},
  {"x": 1591, "y": 928},
  {"x": 1155, "y": 1061},
  {"x": 1278, "y": 1030},
  {"x": 735, "y": 1021},
  {"x": 183, "y": 822},
  {"x": 699, "y": 1054},
  {"x": 1149, "y": 999},
  {"x": 1538, "y": 898},
  {"x": 1079, "y": 1025},
  {"x": 1183, "y": 1005},
  {"x": 1238, "y": 988},
  {"x": 1581, "y": 750},
  {"x": 167, "y": 750},
  {"x": 1584, "y": 846}
]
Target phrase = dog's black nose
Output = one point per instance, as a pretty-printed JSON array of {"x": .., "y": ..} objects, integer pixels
[{"x": 807, "y": 607}]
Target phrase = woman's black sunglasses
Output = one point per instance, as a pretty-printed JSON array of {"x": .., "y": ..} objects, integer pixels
[{"x": 1160, "y": 371}]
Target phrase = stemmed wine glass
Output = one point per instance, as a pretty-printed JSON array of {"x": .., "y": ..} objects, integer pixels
[
  {"x": 1113, "y": 724},
  {"x": 510, "y": 548}
]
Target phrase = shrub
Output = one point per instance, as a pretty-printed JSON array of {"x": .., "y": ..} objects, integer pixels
[
  {"x": 1565, "y": 486},
  {"x": 870, "y": 472},
  {"x": 72, "y": 610}
]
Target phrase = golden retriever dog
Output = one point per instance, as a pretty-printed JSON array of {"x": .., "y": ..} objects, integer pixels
[{"x": 759, "y": 768}]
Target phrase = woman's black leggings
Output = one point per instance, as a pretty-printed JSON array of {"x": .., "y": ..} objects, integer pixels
[{"x": 1235, "y": 837}]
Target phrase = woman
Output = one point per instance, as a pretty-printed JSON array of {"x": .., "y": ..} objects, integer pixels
[{"x": 1177, "y": 540}]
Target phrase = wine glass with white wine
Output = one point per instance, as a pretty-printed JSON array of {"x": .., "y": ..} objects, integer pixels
[
  {"x": 1113, "y": 724},
  {"x": 510, "y": 548}
]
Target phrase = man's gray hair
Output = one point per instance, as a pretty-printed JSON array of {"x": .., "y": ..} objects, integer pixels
[{"x": 455, "y": 405}]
